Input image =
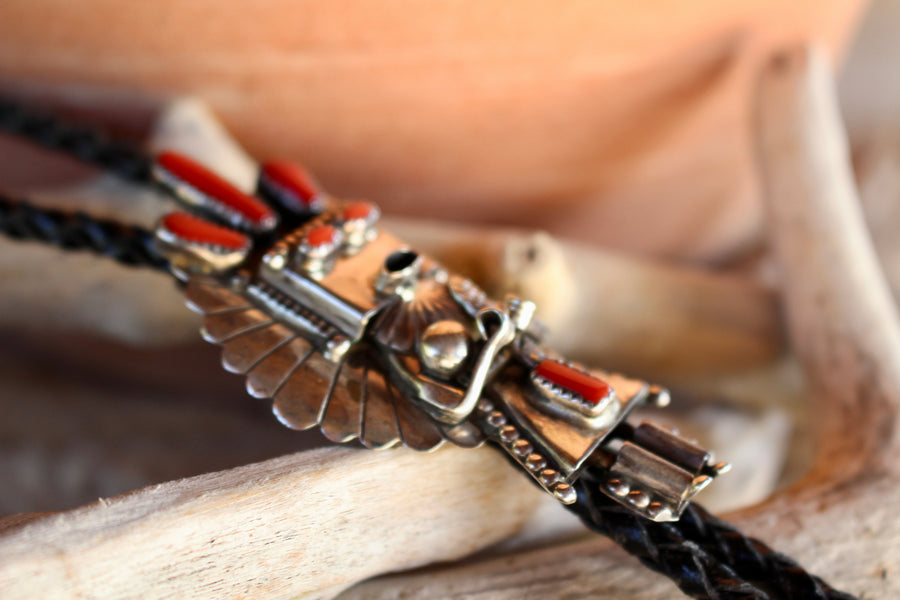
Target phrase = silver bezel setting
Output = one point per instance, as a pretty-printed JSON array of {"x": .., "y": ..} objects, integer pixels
[
  {"x": 566, "y": 403},
  {"x": 195, "y": 199}
]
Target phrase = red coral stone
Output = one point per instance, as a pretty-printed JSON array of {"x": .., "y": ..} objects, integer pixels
[
  {"x": 321, "y": 235},
  {"x": 590, "y": 388},
  {"x": 210, "y": 184},
  {"x": 293, "y": 180},
  {"x": 193, "y": 229},
  {"x": 358, "y": 210}
]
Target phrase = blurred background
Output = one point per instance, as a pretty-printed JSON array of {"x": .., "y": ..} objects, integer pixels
[{"x": 627, "y": 127}]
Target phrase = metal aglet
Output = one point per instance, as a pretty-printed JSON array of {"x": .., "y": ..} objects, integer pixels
[{"x": 656, "y": 473}]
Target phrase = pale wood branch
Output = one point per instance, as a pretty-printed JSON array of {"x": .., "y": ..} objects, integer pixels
[
  {"x": 625, "y": 313},
  {"x": 315, "y": 522},
  {"x": 398, "y": 510},
  {"x": 620, "y": 311}
]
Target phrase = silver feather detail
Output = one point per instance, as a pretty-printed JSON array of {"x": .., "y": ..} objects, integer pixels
[{"x": 347, "y": 399}]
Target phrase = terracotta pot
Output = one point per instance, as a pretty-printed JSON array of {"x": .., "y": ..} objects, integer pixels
[{"x": 618, "y": 124}]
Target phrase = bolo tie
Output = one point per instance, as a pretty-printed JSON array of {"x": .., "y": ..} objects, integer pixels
[{"x": 346, "y": 328}]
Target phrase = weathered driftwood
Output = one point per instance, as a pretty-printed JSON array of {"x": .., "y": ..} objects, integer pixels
[
  {"x": 100, "y": 408},
  {"x": 663, "y": 319},
  {"x": 260, "y": 501},
  {"x": 72, "y": 431},
  {"x": 842, "y": 322},
  {"x": 869, "y": 93},
  {"x": 85, "y": 418},
  {"x": 305, "y": 525},
  {"x": 840, "y": 519},
  {"x": 100, "y": 297},
  {"x": 514, "y": 262},
  {"x": 824, "y": 252}
]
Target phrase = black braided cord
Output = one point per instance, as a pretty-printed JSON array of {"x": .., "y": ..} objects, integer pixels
[
  {"x": 76, "y": 141},
  {"x": 753, "y": 559},
  {"x": 695, "y": 571},
  {"x": 125, "y": 244},
  {"x": 706, "y": 557}
]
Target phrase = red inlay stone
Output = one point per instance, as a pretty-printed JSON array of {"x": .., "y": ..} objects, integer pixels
[
  {"x": 321, "y": 235},
  {"x": 292, "y": 181},
  {"x": 358, "y": 210},
  {"x": 590, "y": 388},
  {"x": 208, "y": 183},
  {"x": 193, "y": 229}
]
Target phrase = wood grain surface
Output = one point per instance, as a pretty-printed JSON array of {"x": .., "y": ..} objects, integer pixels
[
  {"x": 246, "y": 530},
  {"x": 677, "y": 136}
]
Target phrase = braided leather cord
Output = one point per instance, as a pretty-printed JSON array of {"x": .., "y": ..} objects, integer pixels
[
  {"x": 77, "y": 231},
  {"x": 695, "y": 571},
  {"x": 753, "y": 559},
  {"x": 706, "y": 557},
  {"x": 77, "y": 141},
  {"x": 664, "y": 550}
]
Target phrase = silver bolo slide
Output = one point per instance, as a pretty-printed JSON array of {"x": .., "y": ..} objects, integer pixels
[{"x": 346, "y": 328}]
